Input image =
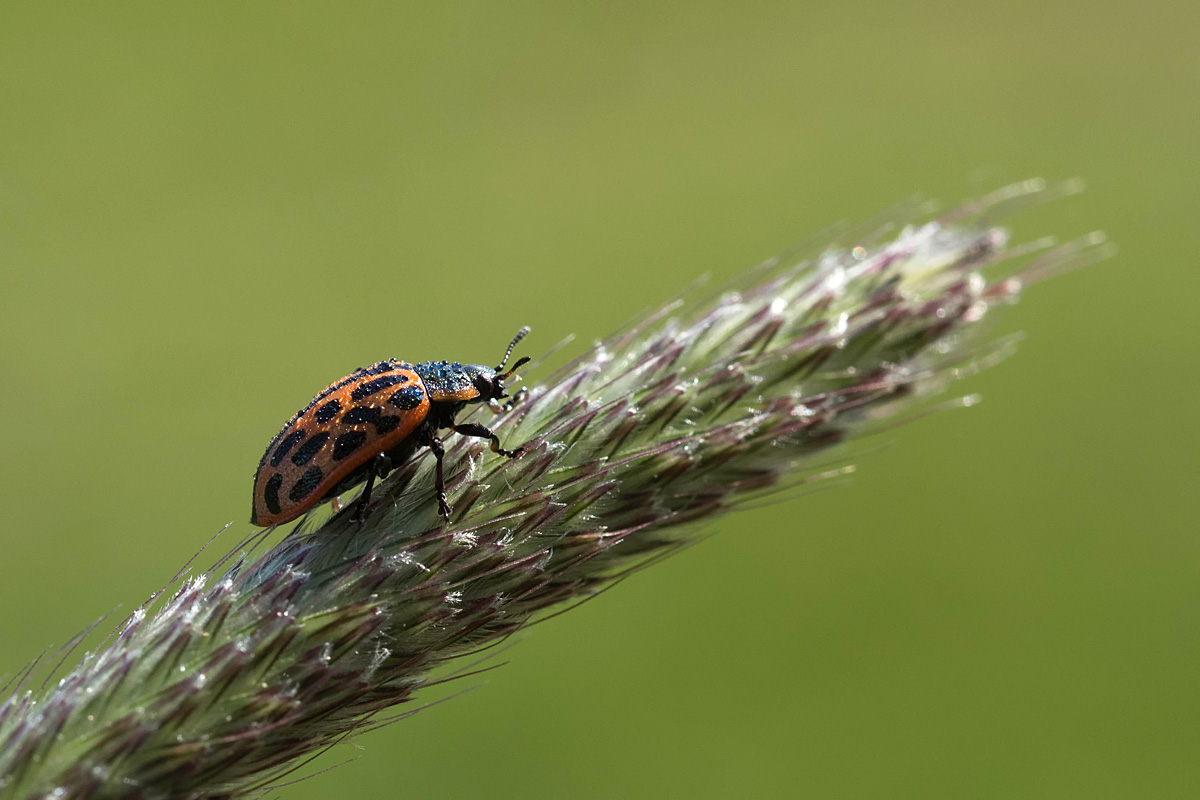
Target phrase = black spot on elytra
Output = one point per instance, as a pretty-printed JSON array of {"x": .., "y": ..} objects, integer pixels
[
  {"x": 271, "y": 493},
  {"x": 309, "y": 449},
  {"x": 380, "y": 368},
  {"x": 367, "y": 415},
  {"x": 308, "y": 481},
  {"x": 354, "y": 377},
  {"x": 327, "y": 411},
  {"x": 347, "y": 443},
  {"x": 379, "y": 384},
  {"x": 362, "y": 415},
  {"x": 407, "y": 398},
  {"x": 289, "y": 441},
  {"x": 328, "y": 390}
]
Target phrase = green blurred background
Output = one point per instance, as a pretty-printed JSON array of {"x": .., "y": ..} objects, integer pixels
[{"x": 209, "y": 211}]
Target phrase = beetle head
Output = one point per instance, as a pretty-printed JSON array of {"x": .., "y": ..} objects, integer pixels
[{"x": 490, "y": 380}]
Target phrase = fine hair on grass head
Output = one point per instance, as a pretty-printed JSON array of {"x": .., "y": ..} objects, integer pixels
[{"x": 227, "y": 684}]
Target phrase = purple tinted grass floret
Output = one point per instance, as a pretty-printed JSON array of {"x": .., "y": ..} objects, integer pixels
[{"x": 231, "y": 685}]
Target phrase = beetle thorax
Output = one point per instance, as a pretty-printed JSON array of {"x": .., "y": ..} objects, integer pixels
[{"x": 449, "y": 381}]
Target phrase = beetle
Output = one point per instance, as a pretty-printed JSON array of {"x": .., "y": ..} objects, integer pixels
[{"x": 360, "y": 427}]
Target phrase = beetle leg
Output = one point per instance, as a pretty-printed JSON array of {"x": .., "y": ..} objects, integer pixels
[
  {"x": 377, "y": 467},
  {"x": 435, "y": 444},
  {"x": 480, "y": 432},
  {"x": 497, "y": 407},
  {"x": 500, "y": 408}
]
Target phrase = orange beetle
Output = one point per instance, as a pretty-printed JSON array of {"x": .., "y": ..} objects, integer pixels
[{"x": 370, "y": 421}]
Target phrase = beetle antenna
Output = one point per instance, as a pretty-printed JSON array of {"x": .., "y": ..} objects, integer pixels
[
  {"x": 522, "y": 361},
  {"x": 520, "y": 335}
]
